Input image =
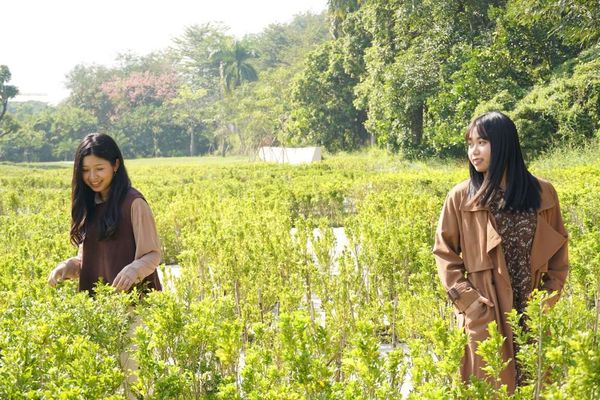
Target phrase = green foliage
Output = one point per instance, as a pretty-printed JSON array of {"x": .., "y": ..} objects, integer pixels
[
  {"x": 494, "y": 365},
  {"x": 551, "y": 349},
  {"x": 146, "y": 101},
  {"x": 185, "y": 350},
  {"x": 404, "y": 76},
  {"x": 285, "y": 45},
  {"x": 6, "y": 92},
  {"x": 323, "y": 110},
  {"x": 434, "y": 359},
  {"x": 85, "y": 82},
  {"x": 427, "y": 68},
  {"x": 51, "y": 341},
  {"x": 255, "y": 247},
  {"x": 564, "y": 111},
  {"x": 194, "y": 49},
  {"x": 234, "y": 67}
]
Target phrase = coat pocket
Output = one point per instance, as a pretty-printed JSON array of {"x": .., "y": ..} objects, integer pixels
[{"x": 476, "y": 322}]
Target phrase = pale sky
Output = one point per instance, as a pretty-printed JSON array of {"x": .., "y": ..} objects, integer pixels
[{"x": 44, "y": 39}]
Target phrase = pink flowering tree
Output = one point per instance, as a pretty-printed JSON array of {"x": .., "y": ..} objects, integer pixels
[
  {"x": 141, "y": 88},
  {"x": 139, "y": 104}
]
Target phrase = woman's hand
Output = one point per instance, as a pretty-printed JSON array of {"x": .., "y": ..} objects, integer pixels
[
  {"x": 477, "y": 304},
  {"x": 126, "y": 278},
  {"x": 65, "y": 270}
]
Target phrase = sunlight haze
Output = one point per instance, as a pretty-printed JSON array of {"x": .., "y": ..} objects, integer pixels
[{"x": 46, "y": 39}]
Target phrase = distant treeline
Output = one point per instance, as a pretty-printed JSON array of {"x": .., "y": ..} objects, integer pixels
[{"x": 406, "y": 76}]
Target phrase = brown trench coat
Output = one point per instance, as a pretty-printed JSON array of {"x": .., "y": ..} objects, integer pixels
[{"x": 471, "y": 263}]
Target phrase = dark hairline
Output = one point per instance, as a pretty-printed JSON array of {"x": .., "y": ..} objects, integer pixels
[
  {"x": 523, "y": 190},
  {"x": 82, "y": 203}
]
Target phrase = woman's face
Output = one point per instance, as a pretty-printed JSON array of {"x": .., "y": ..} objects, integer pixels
[
  {"x": 98, "y": 174},
  {"x": 480, "y": 152}
]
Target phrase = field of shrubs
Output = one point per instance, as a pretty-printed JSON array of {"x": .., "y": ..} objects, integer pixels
[{"x": 241, "y": 321}]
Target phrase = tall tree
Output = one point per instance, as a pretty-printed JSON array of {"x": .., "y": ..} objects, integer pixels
[
  {"x": 85, "y": 83},
  {"x": 6, "y": 92},
  {"x": 416, "y": 47},
  {"x": 187, "y": 109},
  {"x": 68, "y": 125},
  {"x": 195, "y": 48},
  {"x": 285, "y": 45},
  {"x": 140, "y": 99},
  {"x": 234, "y": 69},
  {"x": 338, "y": 11},
  {"x": 323, "y": 102},
  {"x": 234, "y": 66}
]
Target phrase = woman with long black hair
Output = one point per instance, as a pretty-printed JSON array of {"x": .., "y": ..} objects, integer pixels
[
  {"x": 111, "y": 223},
  {"x": 499, "y": 237}
]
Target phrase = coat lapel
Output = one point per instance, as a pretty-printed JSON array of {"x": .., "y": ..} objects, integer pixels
[
  {"x": 494, "y": 240},
  {"x": 546, "y": 242},
  {"x": 493, "y": 237}
]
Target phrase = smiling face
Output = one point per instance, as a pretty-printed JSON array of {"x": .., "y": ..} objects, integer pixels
[
  {"x": 480, "y": 151},
  {"x": 97, "y": 174}
]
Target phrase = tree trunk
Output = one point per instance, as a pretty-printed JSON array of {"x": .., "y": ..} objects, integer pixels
[
  {"x": 361, "y": 131},
  {"x": 192, "y": 143},
  {"x": 221, "y": 111},
  {"x": 4, "y": 107},
  {"x": 416, "y": 124},
  {"x": 156, "y": 150},
  {"x": 241, "y": 137},
  {"x": 223, "y": 150}
]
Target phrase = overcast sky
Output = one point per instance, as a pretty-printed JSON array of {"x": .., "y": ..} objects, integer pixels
[{"x": 44, "y": 39}]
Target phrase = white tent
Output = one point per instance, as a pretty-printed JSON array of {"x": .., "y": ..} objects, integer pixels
[{"x": 290, "y": 155}]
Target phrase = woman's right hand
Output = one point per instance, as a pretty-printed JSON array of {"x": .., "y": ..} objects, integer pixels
[
  {"x": 477, "y": 304},
  {"x": 65, "y": 270}
]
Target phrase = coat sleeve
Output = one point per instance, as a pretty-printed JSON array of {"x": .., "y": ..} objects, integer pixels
[
  {"x": 447, "y": 253},
  {"x": 558, "y": 264}
]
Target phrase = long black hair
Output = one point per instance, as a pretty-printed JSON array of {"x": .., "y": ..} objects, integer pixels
[
  {"x": 83, "y": 198},
  {"x": 522, "y": 190}
]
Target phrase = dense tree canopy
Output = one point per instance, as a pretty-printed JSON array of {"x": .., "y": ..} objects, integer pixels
[
  {"x": 420, "y": 71},
  {"x": 404, "y": 75},
  {"x": 208, "y": 93}
]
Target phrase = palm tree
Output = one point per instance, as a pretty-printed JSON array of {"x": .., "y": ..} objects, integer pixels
[
  {"x": 234, "y": 67},
  {"x": 234, "y": 70}
]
